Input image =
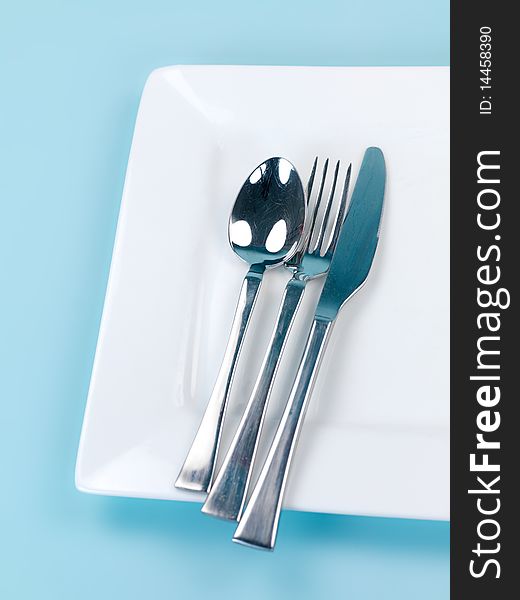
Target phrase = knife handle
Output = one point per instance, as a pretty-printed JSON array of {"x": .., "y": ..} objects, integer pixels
[
  {"x": 259, "y": 523},
  {"x": 228, "y": 493},
  {"x": 198, "y": 468}
]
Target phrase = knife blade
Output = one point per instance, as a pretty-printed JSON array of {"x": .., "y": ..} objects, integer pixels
[{"x": 358, "y": 239}]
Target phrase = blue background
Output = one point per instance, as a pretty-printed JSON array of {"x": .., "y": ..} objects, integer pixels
[{"x": 71, "y": 76}]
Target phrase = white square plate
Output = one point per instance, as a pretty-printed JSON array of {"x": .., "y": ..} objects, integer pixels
[{"x": 376, "y": 438}]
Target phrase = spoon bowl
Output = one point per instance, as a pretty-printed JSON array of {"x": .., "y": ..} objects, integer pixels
[{"x": 267, "y": 220}]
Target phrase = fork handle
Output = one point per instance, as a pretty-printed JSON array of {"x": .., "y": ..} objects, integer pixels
[
  {"x": 199, "y": 466},
  {"x": 259, "y": 524},
  {"x": 227, "y": 496}
]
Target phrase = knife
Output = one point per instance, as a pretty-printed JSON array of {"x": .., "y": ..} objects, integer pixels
[{"x": 348, "y": 272}]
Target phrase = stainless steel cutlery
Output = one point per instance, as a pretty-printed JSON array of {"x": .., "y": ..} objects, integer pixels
[{"x": 268, "y": 227}]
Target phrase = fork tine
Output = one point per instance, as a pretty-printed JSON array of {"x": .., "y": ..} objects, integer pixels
[
  {"x": 328, "y": 206},
  {"x": 310, "y": 183},
  {"x": 317, "y": 203},
  {"x": 341, "y": 211}
]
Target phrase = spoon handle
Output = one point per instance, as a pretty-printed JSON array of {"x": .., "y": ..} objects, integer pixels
[
  {"x": 227, "y": 496},
  {"x": 259, "y": 524},
  {"x": 198, "y": 469}
]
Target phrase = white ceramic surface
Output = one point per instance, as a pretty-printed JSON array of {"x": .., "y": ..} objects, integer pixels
[{"x": 376, "y": 438}]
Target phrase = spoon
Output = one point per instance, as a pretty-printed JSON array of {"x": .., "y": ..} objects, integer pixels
[{"x": 265, "y": 230}]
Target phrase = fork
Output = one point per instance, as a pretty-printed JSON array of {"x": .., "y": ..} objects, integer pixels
[{"x": 227, "y": 496}]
